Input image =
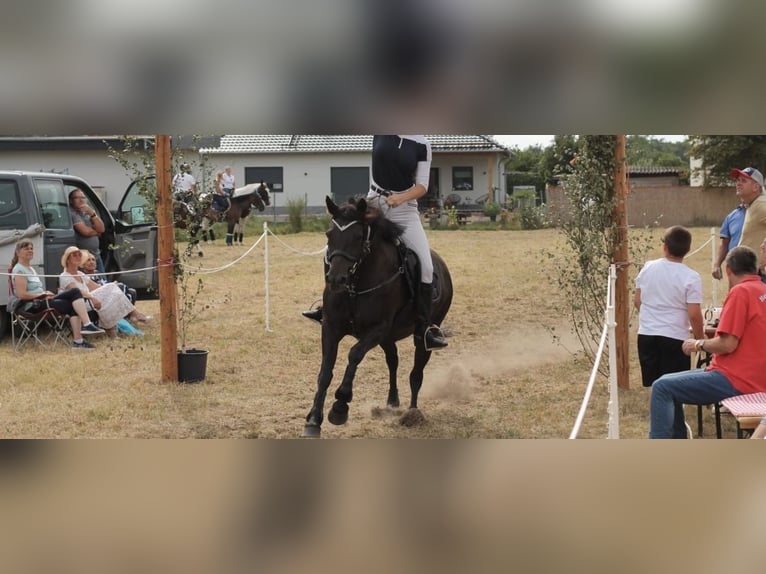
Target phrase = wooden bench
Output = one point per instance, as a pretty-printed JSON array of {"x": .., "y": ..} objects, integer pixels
[{"x": 747, "y": 410}]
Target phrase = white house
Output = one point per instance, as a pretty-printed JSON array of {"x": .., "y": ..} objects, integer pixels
[{"x": 307, "y": 167}]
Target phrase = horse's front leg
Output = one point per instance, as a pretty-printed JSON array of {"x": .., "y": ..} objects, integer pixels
[
  {"x": 392, "y": 360},
  {"x": 338, "y": 415},
  {"x": 313, "y": 427}
]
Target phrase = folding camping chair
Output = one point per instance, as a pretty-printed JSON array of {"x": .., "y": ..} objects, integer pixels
[{"x": 47, "y": 326}]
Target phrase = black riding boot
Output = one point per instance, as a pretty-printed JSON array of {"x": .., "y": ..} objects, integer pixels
[
  {"x": 316, "y": 314},
  {"x": 423, "y": 327}
]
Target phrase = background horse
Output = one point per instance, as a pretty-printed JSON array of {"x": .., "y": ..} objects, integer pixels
[
  {"x": 242, "y": 201},
  {"x": 366, "y": 296},
  {"x": 187, "y": 215}
]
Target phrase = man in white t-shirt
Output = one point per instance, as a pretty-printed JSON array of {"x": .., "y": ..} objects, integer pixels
[
  {"x": 669, "y": 299},
  {"x": 184, "y": 183}
]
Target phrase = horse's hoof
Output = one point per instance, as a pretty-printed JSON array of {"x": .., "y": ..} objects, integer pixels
[
  {"x": 312, "y": 431},
  {"x": 338, "y": 415},
  {"x": 411, "y": 418}
]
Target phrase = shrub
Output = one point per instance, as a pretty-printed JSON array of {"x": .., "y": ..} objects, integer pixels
[
  {"x": 295, "y": 211},
  {"x": 534, "y": 217}
]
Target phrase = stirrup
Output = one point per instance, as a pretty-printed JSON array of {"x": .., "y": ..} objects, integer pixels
[
  {"x": 314, "y": 314},
  {"x": 433, "y": 338}
]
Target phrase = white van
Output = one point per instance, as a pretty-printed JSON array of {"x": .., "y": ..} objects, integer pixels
[{"x": 35, "y": 206}]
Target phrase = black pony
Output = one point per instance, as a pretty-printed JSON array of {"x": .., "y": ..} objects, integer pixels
[{"x": 366, "y": 296}]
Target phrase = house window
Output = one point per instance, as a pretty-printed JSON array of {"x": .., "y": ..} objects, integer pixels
[
  {"x": 462, "y": 179},
  {"x": 271, "y": 176}
]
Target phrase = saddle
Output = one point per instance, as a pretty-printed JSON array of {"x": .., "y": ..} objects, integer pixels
[{"x": 411, "y": 265}]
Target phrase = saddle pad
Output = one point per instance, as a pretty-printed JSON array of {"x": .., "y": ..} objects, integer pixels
[
  {"x": 752, "y": 405},
  {"x": 249, "y": 189}
]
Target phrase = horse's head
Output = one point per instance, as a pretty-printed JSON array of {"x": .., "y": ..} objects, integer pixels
[
  {"x": 263, "y": 192},
  {"x": 259, "y": 199},
  {"x": 348, "y": 241}
]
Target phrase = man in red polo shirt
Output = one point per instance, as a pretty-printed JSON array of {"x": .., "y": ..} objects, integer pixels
[{"x": 739, "y": 361}]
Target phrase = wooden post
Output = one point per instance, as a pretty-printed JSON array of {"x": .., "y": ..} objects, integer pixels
[
  {"x": 166, "y": 262},
  {"x": 620, "y": 258}
]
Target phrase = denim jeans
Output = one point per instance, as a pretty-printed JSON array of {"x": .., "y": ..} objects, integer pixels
[{"x": 670, "y": 392}]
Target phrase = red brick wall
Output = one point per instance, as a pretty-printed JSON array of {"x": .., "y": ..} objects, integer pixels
[{"x": 663, "y": 206}]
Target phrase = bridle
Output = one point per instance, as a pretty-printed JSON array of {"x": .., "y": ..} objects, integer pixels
[{"x": 357, "y": 261}]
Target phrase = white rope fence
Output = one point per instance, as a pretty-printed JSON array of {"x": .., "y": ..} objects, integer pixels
[{"x": 608, "y": 330}]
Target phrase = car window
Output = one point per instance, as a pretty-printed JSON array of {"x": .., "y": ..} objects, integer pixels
[
  {"x": 54, "y": 204},
  {"x": 136, "y": 207},
  {"x": 12, "y": 214}
]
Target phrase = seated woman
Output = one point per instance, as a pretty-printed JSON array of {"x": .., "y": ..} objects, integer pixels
[
  {"x": 88, "y": 266},
  {"x": 108, "y": 300},
  {"x": 28, "y": 289}
]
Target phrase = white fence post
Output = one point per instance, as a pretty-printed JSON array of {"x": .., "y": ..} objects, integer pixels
[
  {"x": 266, "y": 273},
  {"x": 614, "y": 407}
]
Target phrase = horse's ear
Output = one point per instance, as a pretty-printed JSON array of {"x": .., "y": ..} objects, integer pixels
[
  {"x": 331, "y": 207},
  {"x": 361, "y": 207}
]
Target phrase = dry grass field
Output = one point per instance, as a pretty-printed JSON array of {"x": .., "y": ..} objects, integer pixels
[{"x": 503, "y": 375}]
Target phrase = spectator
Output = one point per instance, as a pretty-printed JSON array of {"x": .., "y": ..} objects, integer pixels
[
  {"x": 28, "y": 289},
  {"x": 669, "y": 298},
  {"x": 88, "y": 266},
  {"x": 750, "y": 191},
  {"x": 738, "y": 362},
  {"x": 730, "y": 233},
  {"x": 88, "y": 226},
  {"x": 108, "y": 300}
]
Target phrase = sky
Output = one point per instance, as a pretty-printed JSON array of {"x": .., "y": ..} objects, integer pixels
[{"x": 523, "y": 142}]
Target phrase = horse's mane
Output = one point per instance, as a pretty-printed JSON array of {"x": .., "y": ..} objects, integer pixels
[{"x": 386, "y": 229}]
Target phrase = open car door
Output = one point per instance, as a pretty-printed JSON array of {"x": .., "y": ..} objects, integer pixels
[{"x": 135, "y": 247}]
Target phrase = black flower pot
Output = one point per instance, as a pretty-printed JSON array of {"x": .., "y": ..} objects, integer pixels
[{"x": 192, "y": 365}]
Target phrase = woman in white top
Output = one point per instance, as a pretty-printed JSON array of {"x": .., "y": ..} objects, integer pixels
[{"x": 108, "y": 300}]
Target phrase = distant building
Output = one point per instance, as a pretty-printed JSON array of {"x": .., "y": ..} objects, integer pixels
[{"x": 309, "y": 167}]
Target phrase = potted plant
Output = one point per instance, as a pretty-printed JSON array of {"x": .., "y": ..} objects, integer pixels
[
  {"x": 192, "y": 362},
  {"x": 492, "y": 210}
]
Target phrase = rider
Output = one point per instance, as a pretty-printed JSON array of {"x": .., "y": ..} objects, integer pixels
[
  {"x": 401, "y": 169},
  {"x": 228, "y": 183},
  {"x": 221, "y": 201},
  {"x": 184, "y": 184}
]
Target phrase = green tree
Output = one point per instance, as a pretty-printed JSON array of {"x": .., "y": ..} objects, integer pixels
[
  {"x": 646, "y": 151},
  {"x": 719, "y": 154}
]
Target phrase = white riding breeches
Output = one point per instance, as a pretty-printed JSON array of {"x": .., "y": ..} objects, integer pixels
[{"x": 414, "y": 236}]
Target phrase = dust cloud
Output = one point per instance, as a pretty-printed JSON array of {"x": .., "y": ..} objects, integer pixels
[{"x": 530, "y": 347}]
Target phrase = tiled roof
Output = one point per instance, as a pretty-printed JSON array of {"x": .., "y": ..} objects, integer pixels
[
  {"x": 654, "y": 170},
  {"x": 343, "y": 143}
]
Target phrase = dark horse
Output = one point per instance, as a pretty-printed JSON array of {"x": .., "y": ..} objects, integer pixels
[
  {"x": 253, "y": 195},
  {"x": 367, "y": 296}
]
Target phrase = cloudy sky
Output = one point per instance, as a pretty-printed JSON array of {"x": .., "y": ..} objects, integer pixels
[{"x": 523, "y": 142}]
